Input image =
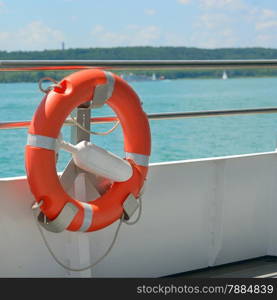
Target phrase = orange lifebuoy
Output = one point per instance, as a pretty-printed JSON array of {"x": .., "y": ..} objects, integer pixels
[{"x": 40, "y": 161}]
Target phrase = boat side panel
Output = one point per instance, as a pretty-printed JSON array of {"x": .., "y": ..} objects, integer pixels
[{"x": 195, "y": 214}]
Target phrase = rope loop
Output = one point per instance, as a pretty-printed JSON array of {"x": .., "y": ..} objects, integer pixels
[{"x": 50, "y": 87}]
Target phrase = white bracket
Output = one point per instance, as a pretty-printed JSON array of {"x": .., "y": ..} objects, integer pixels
[{"x": 61, "y": 222}]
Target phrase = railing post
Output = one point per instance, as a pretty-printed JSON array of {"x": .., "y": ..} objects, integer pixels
[
  {"x": 80, "y": 244},
  {"x": 82, "y": 115}
]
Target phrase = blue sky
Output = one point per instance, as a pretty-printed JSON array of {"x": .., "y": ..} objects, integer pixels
[{"x": 39, "y": 25}]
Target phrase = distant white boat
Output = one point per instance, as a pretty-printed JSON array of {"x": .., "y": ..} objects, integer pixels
[
  {"x": 224, "y": 75},
  {"x": 154, "y": 76}
]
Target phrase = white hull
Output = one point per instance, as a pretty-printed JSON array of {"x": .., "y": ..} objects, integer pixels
[{"x": 196, "y": 214}]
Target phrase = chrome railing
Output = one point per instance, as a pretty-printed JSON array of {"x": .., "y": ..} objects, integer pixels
[
  {"x": 145, "y": 64},
  {"x": 149, "y": 65},
  {"x": 160, "y": 116}
]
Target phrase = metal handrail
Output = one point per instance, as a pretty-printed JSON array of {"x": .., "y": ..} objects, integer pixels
[
  {"x": 145, "y": 64},
  {"x": 160, "y": 116}
]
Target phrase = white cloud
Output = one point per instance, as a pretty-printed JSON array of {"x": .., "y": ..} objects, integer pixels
[
  {"x": 74, "y": 18},
  {"x": 265, "y": 19},
  {"x": 214, "y": 25},
  {"x": 184, "y": 1},
  {"x": 266, "y": 40},
  {"x": 34, "y": 36},
  {"x": 223, "y": 4},
  {"x": 214, "y": 30},
  {"x": 268, "y": 13},
  {"x": 39, "y": 34},
  {"x": 4, "y": 36},
  {"x": 233, "y": 23},
  {"x": 266, "y": 25},
  {"x": 132, "y": 35},
  {"x": 223, "y": 38},
  {"x": 97, "y": 29},
  {"x": 213, "y": 21},
  {"x": 219, "y": 36},
  {"x": 256, "y": 13},
  {"x": 150, "y": 12},
  {"x": 2, "y": 6},
  {"x": 218, "y": 24},
  {"x": 214, "y": 4}
]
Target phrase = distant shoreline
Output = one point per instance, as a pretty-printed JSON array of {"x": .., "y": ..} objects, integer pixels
[{"x": 144, "y": 81}]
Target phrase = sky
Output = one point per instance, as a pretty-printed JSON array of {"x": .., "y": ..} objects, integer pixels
[{"x": 40, "y": 25}]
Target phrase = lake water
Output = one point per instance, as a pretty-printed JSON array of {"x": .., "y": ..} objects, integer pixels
[{"x": 171, "y": 139}]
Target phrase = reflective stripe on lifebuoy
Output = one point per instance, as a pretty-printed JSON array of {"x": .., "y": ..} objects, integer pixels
[{"x": 40, "y": 156}]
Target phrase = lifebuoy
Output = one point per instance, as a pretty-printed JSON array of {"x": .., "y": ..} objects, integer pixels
[{"x": 40, "y": 156}]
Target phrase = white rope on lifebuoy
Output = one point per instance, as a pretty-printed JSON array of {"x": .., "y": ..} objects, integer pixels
[
  {"x": 36, "y": 206},
  {"x": 94, "y": 132}
]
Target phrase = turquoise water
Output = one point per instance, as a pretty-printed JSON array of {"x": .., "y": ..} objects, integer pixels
[{"x": 171, "y": 139}]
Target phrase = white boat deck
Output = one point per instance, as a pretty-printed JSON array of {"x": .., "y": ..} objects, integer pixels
[
  {"x": 263, "y": 267},
  {"x": 196, "y": 214}
]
